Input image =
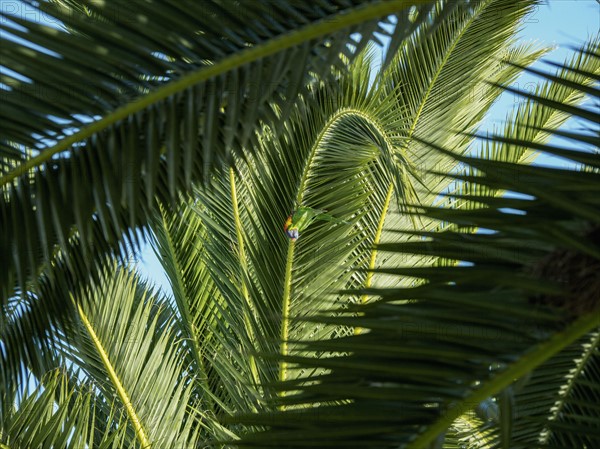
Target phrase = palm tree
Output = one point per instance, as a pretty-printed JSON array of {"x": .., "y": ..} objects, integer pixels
[
  {"x": 250, "y": 330},
  {"x": 111, "y": 108},
  {"x": 495, "y": 341}
]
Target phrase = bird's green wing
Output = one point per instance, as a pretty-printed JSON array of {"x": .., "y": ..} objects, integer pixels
[
  {"x": 304, "y": 216},
  {"x": 328, "y": 217}
]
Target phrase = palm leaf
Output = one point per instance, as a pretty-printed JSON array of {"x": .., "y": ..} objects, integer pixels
[
  {"x": 128, "y": 355},
  {"x": 122, "y": 117},
  {"x": 58, "y": 414},
  {"x": 519, "y": 302},
  {"x": 131, "y": 350},
  {"x": 32, "y": 320},
  {"x": 554, "y": 393},
  {"x": 337, "y": 152},
  {"x": 180, "y": 243},
  {"x": 440, "y": 79},
  {"x": 132, "y": 107}
]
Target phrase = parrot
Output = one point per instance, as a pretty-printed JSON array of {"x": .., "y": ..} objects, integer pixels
[{"x": 302, "y": 217}]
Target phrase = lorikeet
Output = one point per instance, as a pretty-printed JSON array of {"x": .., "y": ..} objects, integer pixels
[{"x": 302, "y": 217}]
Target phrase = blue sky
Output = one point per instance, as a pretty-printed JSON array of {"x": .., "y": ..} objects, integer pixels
[{"x": 559, "y": 23}]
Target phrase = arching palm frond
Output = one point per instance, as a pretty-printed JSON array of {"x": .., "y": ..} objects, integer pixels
[
  {"x": 118, "y": 102},
  {"x": 246, "y": 251},
  {"x": 442, "y": 81},
  {"x": 109, "y": 105},
  {"x": 338, "y": 151},
  {"x": 59, "y": 414},
  {"x": 510, "y": 332}
]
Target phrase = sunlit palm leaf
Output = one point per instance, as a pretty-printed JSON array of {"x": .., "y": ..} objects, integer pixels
[
  {"x": 138, "y": 99},
  {"x": 128, "y": 347},
  {"x": 56, "y": 414},
  {"x": 441, "y": 79},
  {"x": 434, "y": 351}
]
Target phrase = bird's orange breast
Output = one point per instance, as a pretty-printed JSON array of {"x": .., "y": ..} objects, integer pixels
[{"x": 288, "y": 222}]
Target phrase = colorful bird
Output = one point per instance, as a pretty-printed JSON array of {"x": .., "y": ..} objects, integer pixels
[{"x": 302, "y": 217}]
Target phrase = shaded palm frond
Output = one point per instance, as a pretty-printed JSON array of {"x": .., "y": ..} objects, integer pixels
[
  {"x": 32, "y": 320},
  {"x": 183, "y": 246},
  {"x": 123, "y": 101},
  {"x": 484, "y": 331},
  {"x": 556, "y": 407}
]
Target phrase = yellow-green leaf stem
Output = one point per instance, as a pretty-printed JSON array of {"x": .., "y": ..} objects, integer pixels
[
  {"x": 256, "y": 53},
  {"x": 287, "y": 286},
  {"x": 386, "y": 205},
  {"x": 527, "y": 363},
  {"x": 114, "y": 378},
  {"x": 243, "y": 274},
  {"x": 369, "y": 278},
  {"x": 285, "y": 319}
]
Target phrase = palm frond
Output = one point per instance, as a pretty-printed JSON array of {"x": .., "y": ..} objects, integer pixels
[
  {"x": 31, "y": 321},
  {"x": 250, "y": 331},
  {"x": 57, "y": 414},
  {"x": 181, "y": 245},
  {"x": 547, "y": 408},
  {"x": 122, "y": 102},
  {"x": 336, "y": 152},
  {"x": 440, "y": 78},
  {"x": 131, "y": 350},
  {"x": 523, "y": 297}
]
